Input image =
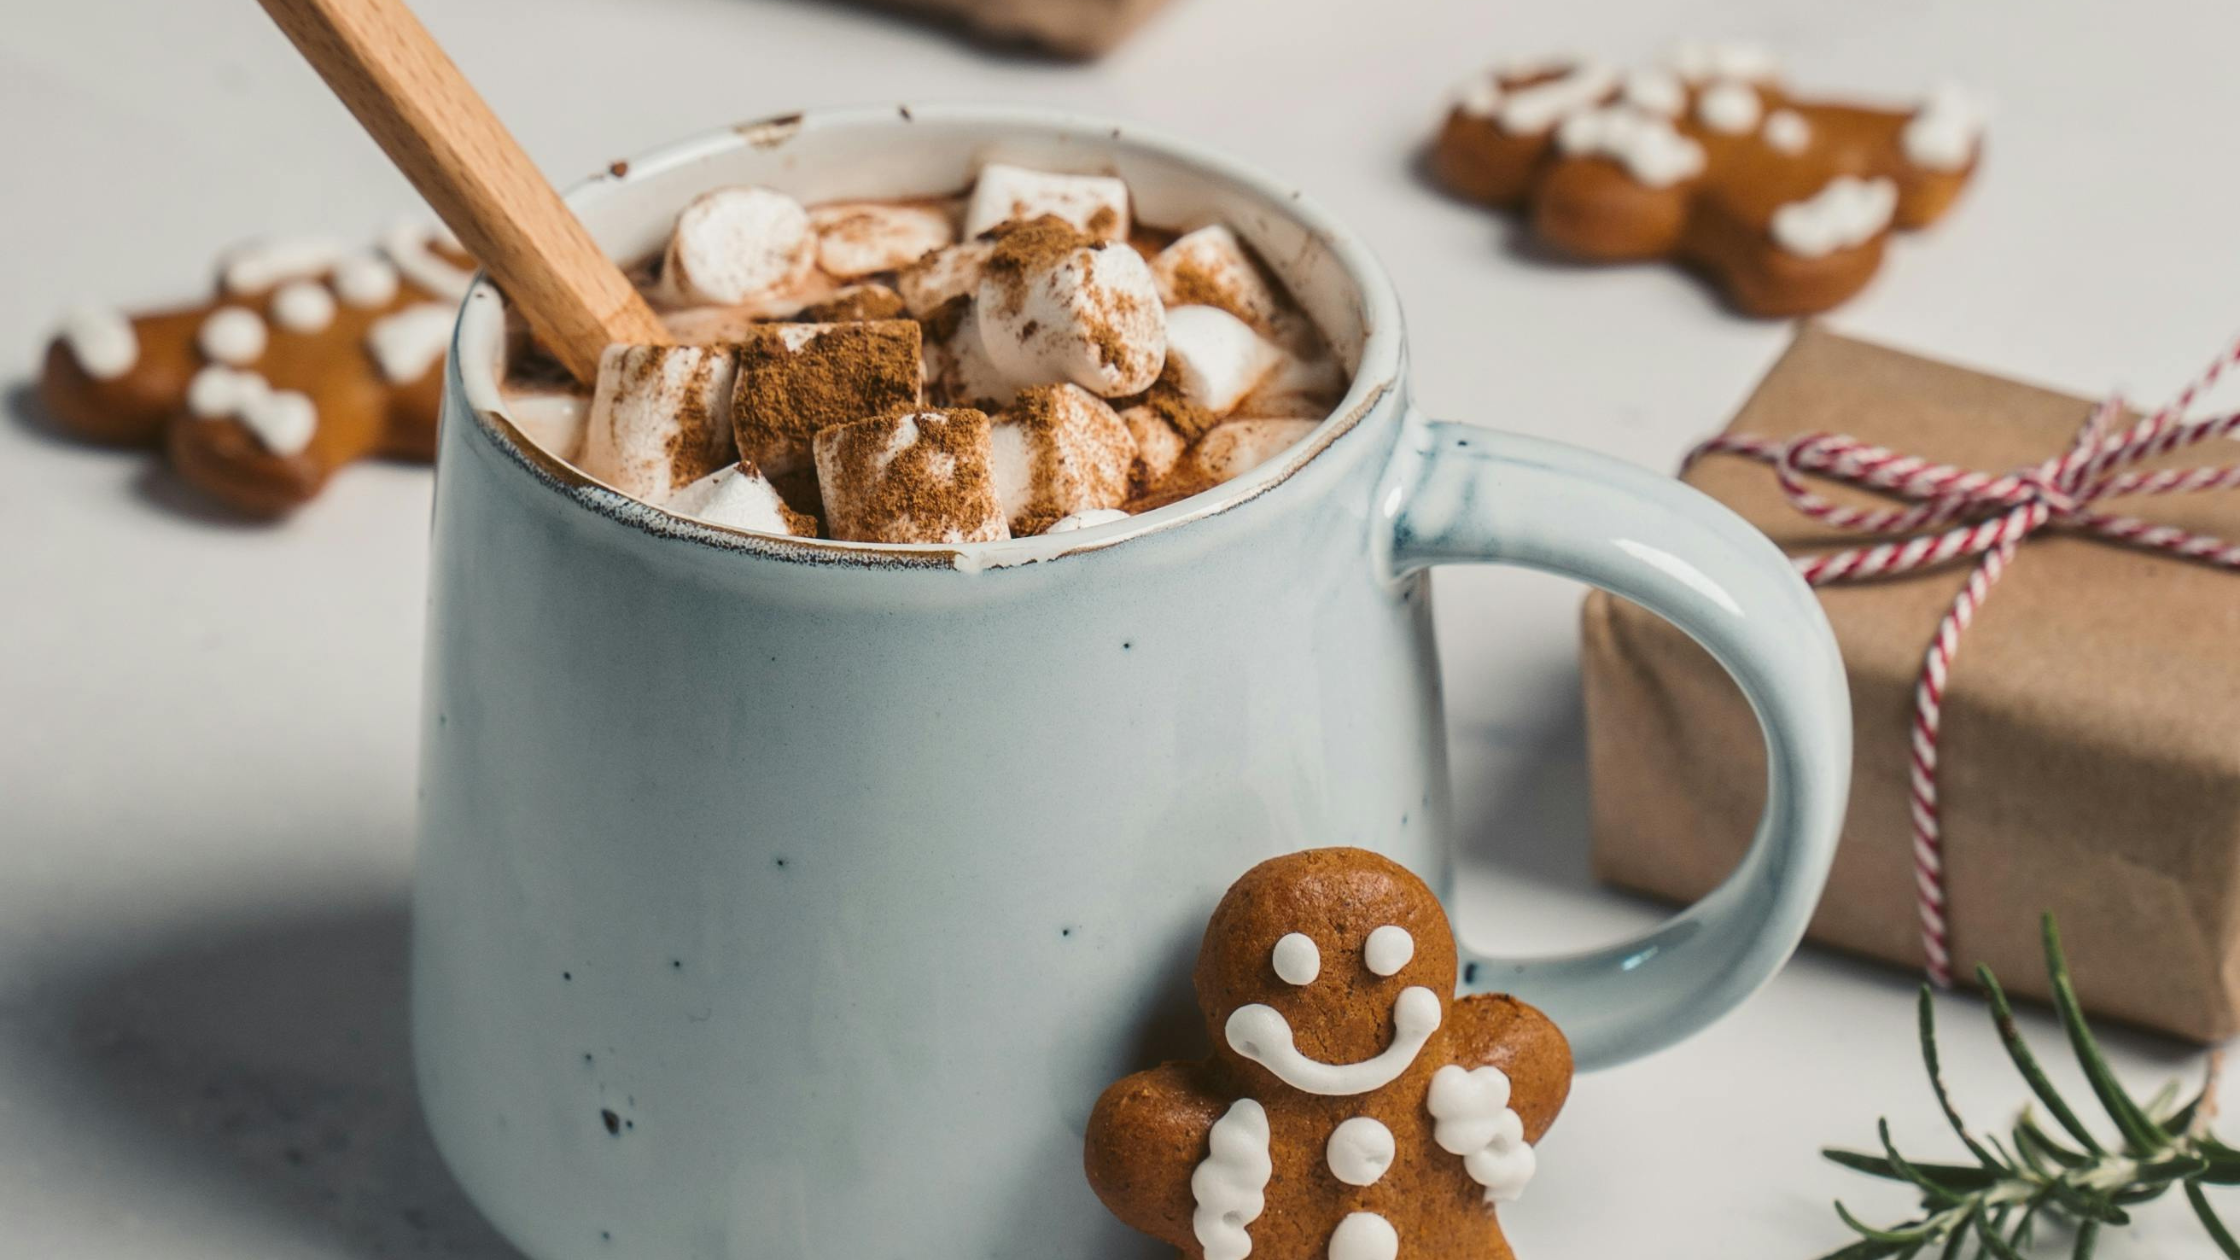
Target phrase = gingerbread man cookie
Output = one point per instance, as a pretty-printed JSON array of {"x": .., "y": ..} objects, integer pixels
[
  {"x": 1784, "y": 203},
  {"x": 310, "y": 357},
  {"x": 1353, "y": 1109}
]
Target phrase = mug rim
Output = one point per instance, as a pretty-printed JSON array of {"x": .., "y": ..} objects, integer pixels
[{"x": 477, "y": 335}]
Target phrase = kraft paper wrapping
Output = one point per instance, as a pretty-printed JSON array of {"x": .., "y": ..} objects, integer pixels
[{"x": 2091, "y": 745}]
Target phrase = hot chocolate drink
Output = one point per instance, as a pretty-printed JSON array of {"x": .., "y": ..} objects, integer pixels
[{"x": 1023, "y": 358}]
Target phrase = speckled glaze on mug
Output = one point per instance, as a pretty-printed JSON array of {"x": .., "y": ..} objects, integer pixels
[{"x": 784, "y": 899}]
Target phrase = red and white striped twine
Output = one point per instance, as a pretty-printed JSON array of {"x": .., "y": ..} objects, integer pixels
[{"x": 1954, "y": 513}]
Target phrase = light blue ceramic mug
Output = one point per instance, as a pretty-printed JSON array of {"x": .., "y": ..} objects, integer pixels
[{"x": 788, "y": 899}]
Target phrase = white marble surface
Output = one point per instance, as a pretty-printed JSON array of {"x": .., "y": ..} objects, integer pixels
[{"x": 206, "y": 770}]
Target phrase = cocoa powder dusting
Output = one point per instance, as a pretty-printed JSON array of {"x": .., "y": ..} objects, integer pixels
[
  {"x": 698, "y": 446},
  {"x": 858, "y": 303},
  {"x": 883, "y": 485},
  {"x": 1031, "y": 247},
  {"x": 1190, "y": 420},
  {"x": 841, "y": 372}
]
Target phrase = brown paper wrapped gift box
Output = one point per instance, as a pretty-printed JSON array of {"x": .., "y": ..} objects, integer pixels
[{"x": 2091, "y": 743}]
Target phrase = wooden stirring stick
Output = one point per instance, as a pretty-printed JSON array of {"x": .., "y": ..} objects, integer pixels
[{"x": 432, "y": 124}]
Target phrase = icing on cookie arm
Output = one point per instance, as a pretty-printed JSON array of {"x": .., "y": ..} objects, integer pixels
[
  {"x": 1146, "y": 1137},
  {"x": 1496, "y": 1030}
]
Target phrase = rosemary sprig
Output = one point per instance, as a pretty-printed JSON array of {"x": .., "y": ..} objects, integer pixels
[{"x": 1989, "y": 1207}]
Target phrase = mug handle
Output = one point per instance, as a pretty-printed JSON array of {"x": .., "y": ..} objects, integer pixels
[{"x": 1461, "y": 493}]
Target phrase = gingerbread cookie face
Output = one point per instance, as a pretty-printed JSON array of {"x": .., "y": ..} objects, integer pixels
[
  {"x": 1783, "y": 202},
  {"x": 1289, "y": 974},
  {"x": 308, "y": 358},
  {"x": 1352, "y": 1109}
]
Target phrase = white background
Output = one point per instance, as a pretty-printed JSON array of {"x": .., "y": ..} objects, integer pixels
[{"x": 206, "y": 757}]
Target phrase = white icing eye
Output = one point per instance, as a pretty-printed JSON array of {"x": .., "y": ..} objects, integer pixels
[
  {"x": 1388, "y": 950},
  {"x": 1296, "y": 959}
]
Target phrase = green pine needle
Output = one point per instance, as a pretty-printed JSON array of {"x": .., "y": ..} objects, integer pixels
[{"x": 1965, "y": 1208}]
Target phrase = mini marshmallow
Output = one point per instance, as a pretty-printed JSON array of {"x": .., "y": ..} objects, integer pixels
[
  {"x": 303, "y": 306},
  {"x": 1096, "y": 204},
  {"x": 943, "y": 276},
  {"x": 1214, "y": 359},
  {"x": 1646, "y": 145},
  {"x": 1730, "y": 107},
  {"x": 232, "y": 335},
  {"x": 740, "y": 497},
  {"x": 795, "y": 379},
  {"x": 101, "y": 339},
  {"x": 657, "y": 418},
  {"x": 1209, "y": 267},
  {"x": 961, "y": 369},
  {"x": 736, "y": 243},
  {"x": 1845, "y": 214},
  {"x": 1086, "y": 520},
  {"x": 911, "y": 477},
  {"x": 1242, "y": 445},
  {"x": 858, "y": 238},
  {"x": 1159, "y": 447},
  {"x": 553, "y": 419},
  {"x": 1057, "y": 451},
  {"x": 1056, "y": 307}
]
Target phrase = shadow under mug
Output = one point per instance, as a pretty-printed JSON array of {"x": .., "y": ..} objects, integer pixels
[{"x": 781, "y": 898}]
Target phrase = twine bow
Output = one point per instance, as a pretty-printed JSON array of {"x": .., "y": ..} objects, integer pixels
[{"x": 1959, "y": 514}]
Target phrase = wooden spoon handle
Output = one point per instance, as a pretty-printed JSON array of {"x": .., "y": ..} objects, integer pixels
[{"x": 425, "y": 115}]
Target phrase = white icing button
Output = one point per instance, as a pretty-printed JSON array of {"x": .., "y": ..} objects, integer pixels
[
  {"x": 101, "y": 340},
  {"x": 1388, "y": 950},
  {"x": 1297, "y": 960},
  {"x": 365, "y": 280},
  {"x": 1787, "y": 131},
  {"x": 1364, "y": 1236},
  {"x": 1360, "y": 1151},
  {"x": 407, "y": 344},
  {"x": 1730, "y": 107},
  {"x": 232, "y": 335},
  {"x": 303, "y": 306},
  {"x": 1228, "y": 1188}
]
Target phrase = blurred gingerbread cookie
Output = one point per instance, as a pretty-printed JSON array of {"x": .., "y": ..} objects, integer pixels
[
  {"x": 1353, "y": 1109},
  {"x": 309, "y": 357},
  {"x": 1785, "y": 203}
]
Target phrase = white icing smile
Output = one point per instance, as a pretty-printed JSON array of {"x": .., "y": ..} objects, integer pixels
[{"x": 1261, "y": 1034}]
